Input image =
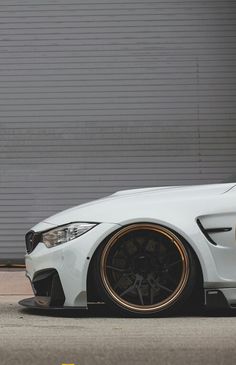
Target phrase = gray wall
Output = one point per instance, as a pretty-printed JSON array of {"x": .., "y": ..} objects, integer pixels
[{"x": 102, "y": 95}]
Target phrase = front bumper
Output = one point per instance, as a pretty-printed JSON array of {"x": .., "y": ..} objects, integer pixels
[
  {"x": 59, "y": 274},
  {"x": 48, "y": 290}
]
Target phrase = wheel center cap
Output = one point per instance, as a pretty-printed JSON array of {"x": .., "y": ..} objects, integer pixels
[{"x": 142, "y": 264}]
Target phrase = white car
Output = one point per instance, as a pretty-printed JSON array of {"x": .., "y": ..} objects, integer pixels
[{"x": 142, "y": 251}]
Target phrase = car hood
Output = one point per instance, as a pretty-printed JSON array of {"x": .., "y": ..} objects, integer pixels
[{"x": 138, "y": 204}]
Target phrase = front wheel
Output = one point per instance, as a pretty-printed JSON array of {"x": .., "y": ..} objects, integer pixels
[{"x": 145, "y": 269}]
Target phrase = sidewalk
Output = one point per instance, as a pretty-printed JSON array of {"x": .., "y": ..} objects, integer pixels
[{"x": 14, "y": 282}]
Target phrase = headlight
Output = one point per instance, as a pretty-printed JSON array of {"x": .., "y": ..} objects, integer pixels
[{"x": 62, "y": 234}]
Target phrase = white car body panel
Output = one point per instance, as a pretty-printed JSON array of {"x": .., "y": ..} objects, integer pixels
[
  {"x": 70, "y": 261},
  {"x": 177, "y": 208}
]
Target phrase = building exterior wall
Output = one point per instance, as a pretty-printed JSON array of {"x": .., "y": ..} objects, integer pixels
[{"x": 103, "y": 95}]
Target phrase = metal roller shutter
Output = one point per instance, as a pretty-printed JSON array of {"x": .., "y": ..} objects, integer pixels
[{"x": 102, "y": 95}]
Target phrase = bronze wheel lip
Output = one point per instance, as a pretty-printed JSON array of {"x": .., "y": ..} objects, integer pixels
[{"x": 166, "y": 302}]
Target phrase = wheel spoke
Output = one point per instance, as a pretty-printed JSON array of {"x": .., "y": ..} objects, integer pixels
[
  {"x": 156, "y": 285},
  {"x": 120, "y": 279},
  {"x": 125, "y": 251},
  {"x": 151, "y": 294},
  {"x": 173, "y": 264},
  {"x": 137, "y": 283},
  {"x": 139, "y": 246},
  {"x": 140, "y": 295},
  {"x": 130, "y": 288},
  {"x": 115, "y": 268},
  {"x": 164, "y": 288}
]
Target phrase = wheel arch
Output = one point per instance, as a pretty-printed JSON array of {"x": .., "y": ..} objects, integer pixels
[{"x": 92, "y": 292}]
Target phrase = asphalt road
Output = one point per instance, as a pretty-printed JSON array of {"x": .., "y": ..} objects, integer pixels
[{"x": 31, "y": 338}]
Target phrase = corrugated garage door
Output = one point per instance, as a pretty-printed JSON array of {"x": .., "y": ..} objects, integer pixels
[{"x": 102, "y": 95}]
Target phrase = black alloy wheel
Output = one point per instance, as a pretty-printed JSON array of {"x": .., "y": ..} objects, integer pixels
[{"x": 145, "y": 269}]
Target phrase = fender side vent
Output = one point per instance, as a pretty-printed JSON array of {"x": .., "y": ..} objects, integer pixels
[
  {"x": 208, "y": 231},
  {"x": 218, "y": 230},
  {"x": 206, "y": 234}
]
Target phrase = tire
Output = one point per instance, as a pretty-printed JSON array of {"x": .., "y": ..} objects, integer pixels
[{"x": 145, "y": 269}]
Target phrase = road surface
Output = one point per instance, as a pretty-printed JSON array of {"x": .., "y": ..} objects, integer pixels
[{"x": 94, "y": 338}]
